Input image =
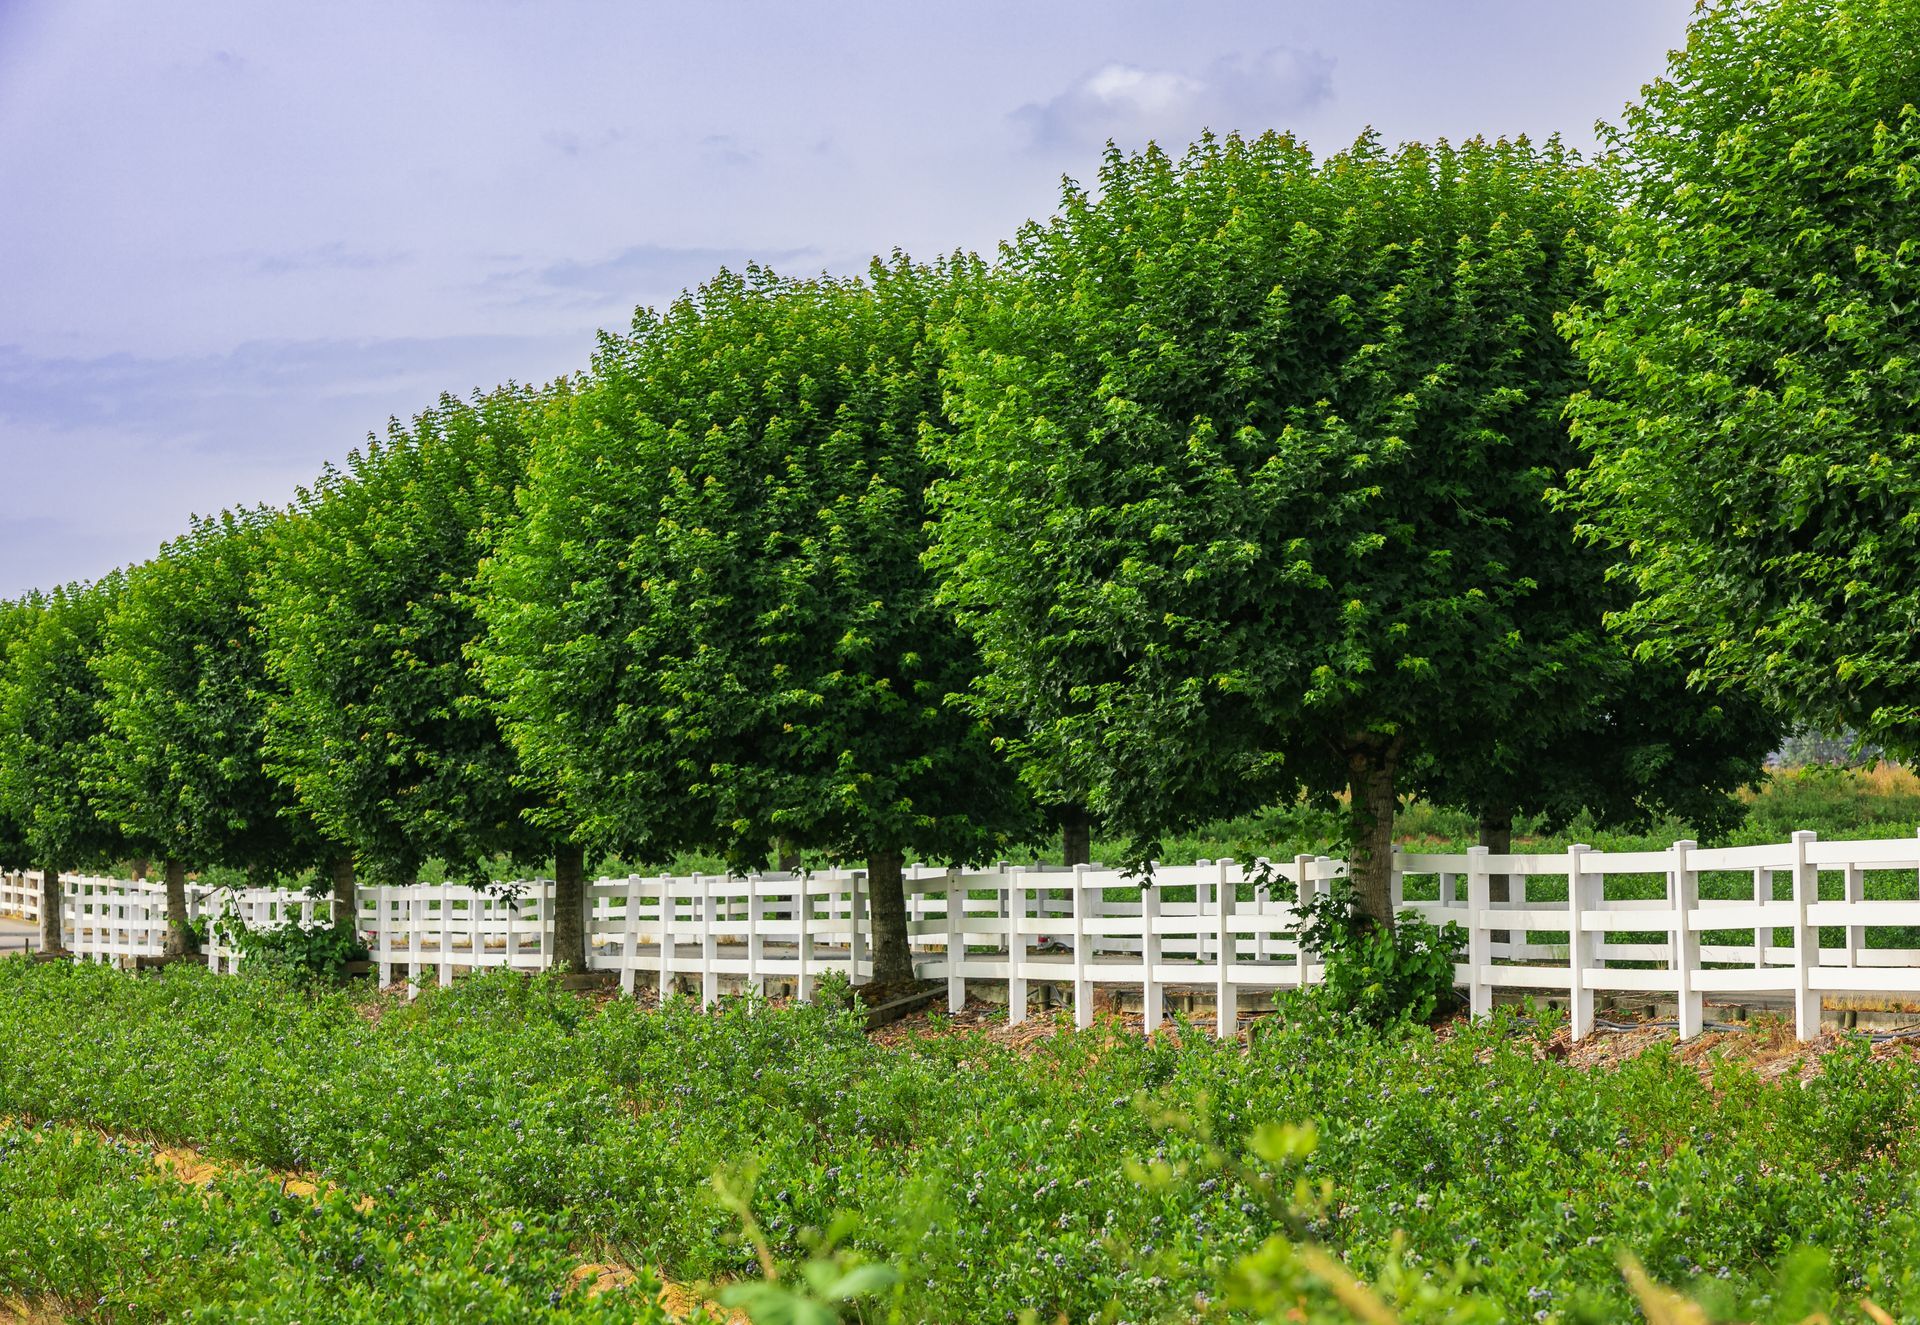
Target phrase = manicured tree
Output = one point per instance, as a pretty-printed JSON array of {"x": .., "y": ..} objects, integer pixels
[
  {"x": 1755, "y": 426},
  {"x": 712, "y": 626},
  {"x": 50, "y": 711},
  {"x": 185, "y": 694},
  {"x": 383, "y": 729},
  {"x": 1248, "y": 475}
]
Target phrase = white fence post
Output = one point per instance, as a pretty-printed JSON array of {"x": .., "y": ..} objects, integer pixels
[
  {"x": 1082, "y": 986},
  {"x": 1153, "y": 995},
  {"x": 857, "y": 926},
  {"x": 1302, "y": 889},
  {"x": 383, "y": 917},
  {"x": 1225, "y": 894},
  {"x": 666, "y": 938},
  {"x": 1806, "y": 940},
  {"x": 803, "y": 921},
  {"x": 709, "y": 899},
  {"x": 630, "y": 941},
  {"x": 1686, "y": 939},
  {"x": 956, "y": 942},
  {"x": 1855, "y": 890},
  {"x": 1016, "y": 946},
  {"x": 446, "y": 930},
  {"x": 1579, "y": 996},
  {"x": 1479, "y": 931},
  {"x": 756, "y": 945}
]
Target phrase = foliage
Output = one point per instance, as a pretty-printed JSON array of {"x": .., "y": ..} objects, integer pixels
[
  {"x": 998, "y": 1181},
  {"x": 1756, "y": 397},
  {"x": 712, "y": 628},
  {"x": 383, "y": 727},
  {"x": 1376, "y": 974},
  {"x": 90, "y": 1226},
  {"x": 1248, "y": 474},
  {"x": 1642, "y": 746},
  {"x": 184, "y": 696},
  {"x": 293, "y": 948},
  {"x": 17, "y": 620},
  {"x": 50, "y": 711},
  {"x": 1844, "y": 749}
]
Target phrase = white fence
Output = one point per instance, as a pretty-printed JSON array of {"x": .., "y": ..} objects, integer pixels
[{"x": 1738, "y": 922}]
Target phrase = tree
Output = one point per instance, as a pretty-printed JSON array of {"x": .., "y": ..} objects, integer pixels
[
  {"x": 367, "y": 602},
  {"x": 50, "y": 709},
  {"x": 1756, "y": 396},
  {"x": 1248, "y": 475},
  {"x": 712, "y": 627},
  {"x": 184, "y": 704},
  {"x": 17, "y": 618}
]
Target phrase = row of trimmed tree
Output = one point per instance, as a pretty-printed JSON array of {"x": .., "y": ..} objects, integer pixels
[{"x": 1470, "y": 471}]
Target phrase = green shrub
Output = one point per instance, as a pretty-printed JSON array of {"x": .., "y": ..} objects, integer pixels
[
  {"x": 1377, "y": 975},
  {"x": 292, "y": 949}
]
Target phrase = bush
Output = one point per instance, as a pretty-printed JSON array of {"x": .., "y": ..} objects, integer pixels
[
  {"x": 1379, "y": 975},
  {"x": 320, "y": 951}
]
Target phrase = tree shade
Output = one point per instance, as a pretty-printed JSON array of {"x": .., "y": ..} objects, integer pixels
[{"x": 1247, "y": 483}]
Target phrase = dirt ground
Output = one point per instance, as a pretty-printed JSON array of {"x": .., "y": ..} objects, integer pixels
[{"x": 1768, "y": 1045}]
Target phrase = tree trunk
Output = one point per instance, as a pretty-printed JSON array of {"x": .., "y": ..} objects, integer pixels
[
  {"x": 887, "y": 905},
  {"x": 53, "y": 930},
  {"x": 1076, "y": 836},
  {"x": 139, "y": 866},
  {"x": 1370, "y": 773},
  {"x": 570, "y": 909},
  {"x": 346, "y": 899},
  {"x": 1496, "y": 835},
  {"x": 786, "y": 856},
  {"x": 179, "y": 937}
]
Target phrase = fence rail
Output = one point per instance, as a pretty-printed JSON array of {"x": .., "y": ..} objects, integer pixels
[{"x": 1795, "y": 920}]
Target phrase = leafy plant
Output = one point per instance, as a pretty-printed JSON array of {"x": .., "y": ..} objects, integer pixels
[
  {"x": 292, "y": 948},
  {"x": 1379, "y": 975}
]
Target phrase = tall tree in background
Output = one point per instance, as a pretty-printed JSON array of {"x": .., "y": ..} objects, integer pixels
[
  {"x": 50, "y": 709},
  {"x": 1249, "y": 475},
  {"x": 1755, "y": 423},
  {"x": 383, "y": 728},
  {"x": 184, "y": 699},
  {"x": 712, "y": 627},
  {"x": 1645, "y": 747}
]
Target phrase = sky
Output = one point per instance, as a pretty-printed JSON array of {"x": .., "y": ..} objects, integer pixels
[{"x": 236, "y": 238}]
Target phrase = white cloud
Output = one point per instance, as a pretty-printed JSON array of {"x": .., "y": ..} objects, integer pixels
[{"x": 1130, "y": 104}]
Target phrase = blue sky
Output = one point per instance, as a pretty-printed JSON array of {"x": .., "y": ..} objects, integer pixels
[{"x": 235, "y": 237}]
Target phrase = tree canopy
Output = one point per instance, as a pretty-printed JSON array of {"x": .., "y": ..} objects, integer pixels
[
  {"x": 1248, "y": 474},
  {"x": 50, "y": 709},
  {"x": 712, "y": 626},
  {"x": 1755, "y": 414},
  {"x": 17, "y": 619},
  {"x": 383, "y": 728},
  {"x": 185, "y": 694}
]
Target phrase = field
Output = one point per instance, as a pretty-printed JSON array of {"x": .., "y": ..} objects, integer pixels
[{"x": 498, "y": 1148}]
